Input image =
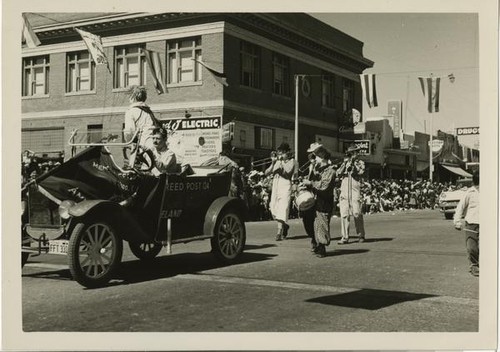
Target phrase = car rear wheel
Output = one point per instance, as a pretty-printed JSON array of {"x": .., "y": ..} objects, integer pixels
[
  {"x": 229, "y": 237},
  {"x": 145, "y": 251},
  {"x": 95, "y": 251},
  {"x": 448, "y": 216}
]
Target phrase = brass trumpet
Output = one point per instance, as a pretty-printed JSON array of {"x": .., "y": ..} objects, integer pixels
[{"x": 268, "y": 160}]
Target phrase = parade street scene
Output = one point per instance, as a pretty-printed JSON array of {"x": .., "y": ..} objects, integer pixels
[{"x": 252, "y": 172}]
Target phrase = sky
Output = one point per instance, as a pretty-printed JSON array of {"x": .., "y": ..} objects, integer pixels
[{"x": 405, "y": 46}]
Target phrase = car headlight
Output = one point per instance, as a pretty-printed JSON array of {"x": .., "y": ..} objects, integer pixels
[{"x": 64, "y": 208}]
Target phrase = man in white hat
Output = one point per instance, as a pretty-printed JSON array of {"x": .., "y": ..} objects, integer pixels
[
  {"x": 308, "y": 216},
  {"x": 350, "y": 202}
]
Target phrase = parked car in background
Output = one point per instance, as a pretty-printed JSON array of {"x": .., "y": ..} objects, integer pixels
[{"x": 448, "y": 200}]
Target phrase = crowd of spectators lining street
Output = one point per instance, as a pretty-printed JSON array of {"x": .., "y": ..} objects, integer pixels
[{"x": 378, "y": 195}]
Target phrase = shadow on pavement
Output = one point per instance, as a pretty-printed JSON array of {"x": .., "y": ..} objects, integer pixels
[
  {"x": 369, "y": 299},
  {"x": 169, "y": 266},
  {"x": 252, "y": 247},
  {"x": 336, "y": 252},
  {"x": 136, "y": 271}
]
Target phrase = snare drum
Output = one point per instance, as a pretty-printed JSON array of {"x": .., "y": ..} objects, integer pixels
[{"x": 304, "y": 200}]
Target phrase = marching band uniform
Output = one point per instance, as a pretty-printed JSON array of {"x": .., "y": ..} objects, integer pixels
[
  {"x": 283, "y": 171},
  {"x": 350, "y": 196}
]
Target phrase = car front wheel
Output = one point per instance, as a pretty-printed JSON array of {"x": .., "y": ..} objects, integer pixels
[
  {"x": 229, "y": 237},
  {"x": 95, "y": 251}
]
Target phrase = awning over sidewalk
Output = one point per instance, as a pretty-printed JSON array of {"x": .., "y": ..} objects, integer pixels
[{"x": 457, "y": 170}]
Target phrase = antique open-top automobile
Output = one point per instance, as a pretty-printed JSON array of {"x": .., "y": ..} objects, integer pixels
[{"x": 86, "y": 207}]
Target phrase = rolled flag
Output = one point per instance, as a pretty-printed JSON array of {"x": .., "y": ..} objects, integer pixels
[
  {"x": 154, "y": 64},
  {"x": 430, "y": 89},
  {"x": 95, "y": 47},
  {"x": 219, "y": 77},
  {"x": 29, "y": 36},
  {"x": 369, "y": 89}
]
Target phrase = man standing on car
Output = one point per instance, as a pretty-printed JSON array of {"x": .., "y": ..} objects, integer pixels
[
  {"x": 139, "y": 118},
  {"x": 468, "y": 208}
]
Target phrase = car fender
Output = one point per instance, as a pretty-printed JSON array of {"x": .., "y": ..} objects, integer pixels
[
  {"x": 217, "y": 207},
  {"x": 123, "y": 221}
]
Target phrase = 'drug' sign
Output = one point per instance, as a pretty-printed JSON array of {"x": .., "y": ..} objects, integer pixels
[{"x": 463, "y": 131}]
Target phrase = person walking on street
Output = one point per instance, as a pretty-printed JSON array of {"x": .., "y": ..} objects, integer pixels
[
  {"x": 321, "y": 183},
  {"x": 468, "y": 209},
  {"x": 350, "y": 172},
  {"x": 283, "y": 168},
  {"x": 309, "y": 215}
]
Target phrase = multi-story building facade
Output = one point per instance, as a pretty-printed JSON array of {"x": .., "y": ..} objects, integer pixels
[{"x": 259, "y": 54}]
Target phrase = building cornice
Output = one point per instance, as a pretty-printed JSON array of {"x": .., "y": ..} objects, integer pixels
[
  {"x": 109, "y": 25},
  {"x": 128, "y": 39}
]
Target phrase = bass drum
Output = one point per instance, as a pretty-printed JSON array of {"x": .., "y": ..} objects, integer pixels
[{"x": 304, "y": 200}]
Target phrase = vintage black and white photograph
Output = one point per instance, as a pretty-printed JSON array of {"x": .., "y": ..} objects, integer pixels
[{"x": 266, "y": 171}]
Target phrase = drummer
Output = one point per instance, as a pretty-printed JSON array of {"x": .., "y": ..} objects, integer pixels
[
  {"x": 321, "y": 183},
  {"x": 309, "y": 215}
]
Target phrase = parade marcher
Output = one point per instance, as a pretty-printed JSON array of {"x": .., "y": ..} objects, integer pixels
[
  {"x": 322, "y": 179},
  {"x": 139, "y": 118},
  {"x": 468, "y": 208},
  {"x": 350, "y": 195},
  {"x": 309, "y": 215},
  {"x": 283, "y": 168},
  {"x": 165, "y": 160}
]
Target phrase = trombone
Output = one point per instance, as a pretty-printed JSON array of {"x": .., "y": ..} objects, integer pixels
[{"x": 268, "y": 160}]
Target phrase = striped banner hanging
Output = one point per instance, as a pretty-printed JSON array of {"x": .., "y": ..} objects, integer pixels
[
  {"x": 430, "y": 89},
  {"x": 369, "y": 89},
  {"x": 154, "y": 64}
]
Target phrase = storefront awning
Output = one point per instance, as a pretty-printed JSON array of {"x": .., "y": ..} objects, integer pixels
[{"x": 457, "y": 171}]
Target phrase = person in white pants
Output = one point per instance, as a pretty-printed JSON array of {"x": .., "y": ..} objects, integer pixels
[{"x": 350, "y": 201}]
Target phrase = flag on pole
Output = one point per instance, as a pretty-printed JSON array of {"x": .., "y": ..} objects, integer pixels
[
  {"x": 430, "y": 89},
  {"x": 154, "y": 64},
  {"x": 29, "y": 36},
  {"x": 95, "y": 47},
  {"x": 219, "y": 77},
  {"x": 369, "y": 89}
]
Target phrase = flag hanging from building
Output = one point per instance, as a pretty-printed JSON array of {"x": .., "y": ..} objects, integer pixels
[
  {"x": 219, "y": 77},
  {"x": 95, "y": 47},
  {"x": 154, "y": 64},
  {"x": 369, "y": 89},
  {"x": 29, "y": 36},
  {"x": 430, "y": 88}
]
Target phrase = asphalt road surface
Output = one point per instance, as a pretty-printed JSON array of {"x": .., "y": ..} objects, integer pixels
[{"x": 409, "y": 276}]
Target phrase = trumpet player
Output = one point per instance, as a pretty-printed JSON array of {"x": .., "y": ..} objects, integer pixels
[
  {"x": 283, "y": 169},
  {"x": 350, "y": 172},
  {"x": 321, "y": 181}
]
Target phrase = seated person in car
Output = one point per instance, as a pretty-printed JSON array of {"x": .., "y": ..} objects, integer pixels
[{"x": 165, "y": 160}]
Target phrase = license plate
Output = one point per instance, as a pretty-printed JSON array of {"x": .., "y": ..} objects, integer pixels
[{"x": 58, "y": 247}]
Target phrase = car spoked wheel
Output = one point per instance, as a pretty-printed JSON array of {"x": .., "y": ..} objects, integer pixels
[
  {"x": 145, "y": 251},
  {"x": 229, "y": 237},
  {"x": 95, "y": 251}
]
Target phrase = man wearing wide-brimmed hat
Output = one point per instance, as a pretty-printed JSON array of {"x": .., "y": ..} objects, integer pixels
[
  {"x": 309, "y": 215},
  {"x": 320, "y": 183},
  {"x": 350, "y": 202}
]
